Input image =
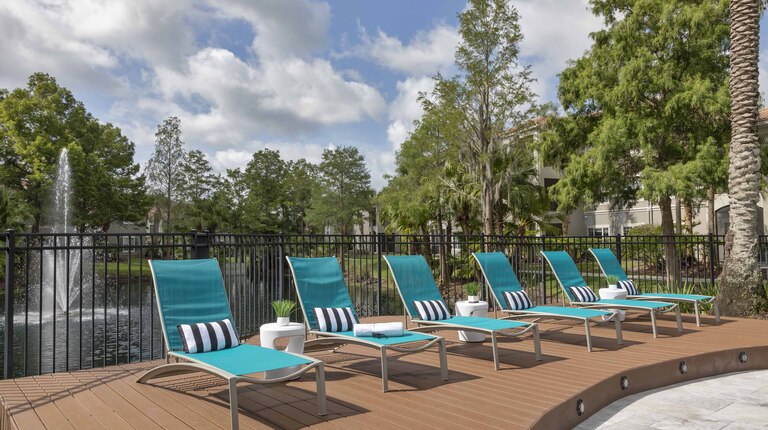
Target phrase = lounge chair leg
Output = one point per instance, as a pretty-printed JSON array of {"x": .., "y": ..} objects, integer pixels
[
  {"x": 653, "y": 323},
  {"x": 320, "y": 380},
  {"x": 537, "y": 343},
  {"x": 717, "y": 313},
  {"x": 589, "y": 338},
  {"x": 495, "y": 351},
  {"x": 696, "y": 310},
  {"x": 443, "y": 360},
  {"x": 384, "y": 374},
  {"x": 619, "y": 337},
  {"x": 233, "y": 404},
  {"x": 679, "y": 318}
]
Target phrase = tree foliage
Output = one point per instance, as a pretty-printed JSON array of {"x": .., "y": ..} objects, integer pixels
[
  {"x": 647, "y": 107},
  {"x": 164, "y": 168},
  {"x": 470, "y": 156},
  {"x": 493, "y": 96},
  {"x": 36, "y": 123},
  {"x": 343, "y": 190}
]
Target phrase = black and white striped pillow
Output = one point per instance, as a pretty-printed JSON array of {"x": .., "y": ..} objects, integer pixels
[
  {"x": 204, "y": 337},
  {"x": 431, "y": 310},
  {"x": 517, "y": 300},
  {"x": 584, "y": 294},
  {"x": 335, "y": 319},
  {"x": 628, "y": 285}
]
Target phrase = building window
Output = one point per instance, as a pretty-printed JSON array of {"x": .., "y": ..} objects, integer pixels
[
  {"x": 626, "y": 231},
  {"x": 597, "y": 232}
]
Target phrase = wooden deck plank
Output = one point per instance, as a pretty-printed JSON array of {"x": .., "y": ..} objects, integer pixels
[{"x": 522, "y": 394}]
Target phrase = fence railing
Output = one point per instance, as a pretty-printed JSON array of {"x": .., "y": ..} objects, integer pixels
[{"x": 74, "y": 301}]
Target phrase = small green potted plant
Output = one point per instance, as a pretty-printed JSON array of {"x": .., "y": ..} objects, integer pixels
[
  {"x": 283, "y": 310},
  {"x": 472, "y": 289},
  {"x": 612, "y": 281}
]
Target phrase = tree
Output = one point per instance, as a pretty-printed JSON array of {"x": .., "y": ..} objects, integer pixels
[
  {"x": 229, "y": 201},
  {"x": 103, "y": 172},
  {"x": 196, "y": 189},
  {"x": 265, "y": 177},
  {"x": 36, "y": 123},
  {"x": 493, "y": 94},
  {"x": 300, "y": 180},
  {"x": 741, "y": 290},
  {"x": 647, "y": 98},
  {"x": 163, "y": 168},
  {"x": 343, "y": 191},
  {"x": 14, "y": 212}
]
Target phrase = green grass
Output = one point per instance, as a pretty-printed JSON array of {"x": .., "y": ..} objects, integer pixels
[{"x": 138, "y": 266}]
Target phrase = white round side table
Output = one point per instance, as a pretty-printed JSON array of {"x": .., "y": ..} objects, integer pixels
[
  {"x": 611, "y": 294},
  {"x": 466, "y": 309},
  {"x": 269, "y": 333}
]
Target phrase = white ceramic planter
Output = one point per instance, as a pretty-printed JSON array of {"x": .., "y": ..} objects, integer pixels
[
  {"x": 283, "y": 321},
  {"x": 473, "y": 299},
  {"x": 613, "y": 286}
]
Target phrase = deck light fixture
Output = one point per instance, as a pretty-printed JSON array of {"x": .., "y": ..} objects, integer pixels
[
  {"x": 624, "y": 383},
  {"x": 743, "y": 357},
  {"x": 580, "y": 408},
  {"x": 683, "y": 368}
]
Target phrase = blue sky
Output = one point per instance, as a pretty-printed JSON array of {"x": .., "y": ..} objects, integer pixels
[{"x": 299, "y": 76}]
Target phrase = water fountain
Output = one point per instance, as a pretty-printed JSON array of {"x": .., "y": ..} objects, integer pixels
[{"x": 61, "y": 281}]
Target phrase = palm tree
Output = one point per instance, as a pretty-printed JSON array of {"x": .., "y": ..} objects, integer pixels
[{"x": 741, "y": 292}]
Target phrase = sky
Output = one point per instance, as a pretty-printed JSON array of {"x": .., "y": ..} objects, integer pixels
[{"x": 298, "y": 76}]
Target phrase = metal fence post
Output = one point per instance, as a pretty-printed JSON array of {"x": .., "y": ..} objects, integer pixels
[
  {"x": 280, "y": 260},
  {"x": 618, "y": 247},
  {"x": 201, "y": 244},
  {"x": 712, "y": 258},
  {"x": 10, "y": 272},
  {"x": 543, "y": 271},
  {"x": 379, "y": 246}
]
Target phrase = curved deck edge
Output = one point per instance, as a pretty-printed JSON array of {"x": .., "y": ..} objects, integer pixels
[{"x": 644, "y": 378}]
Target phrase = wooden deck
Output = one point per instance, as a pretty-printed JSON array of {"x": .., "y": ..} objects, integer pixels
[{"x": 523, "y": 394}]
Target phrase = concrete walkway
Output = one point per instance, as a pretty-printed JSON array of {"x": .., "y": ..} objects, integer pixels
[{"x": 731, "y": 401}]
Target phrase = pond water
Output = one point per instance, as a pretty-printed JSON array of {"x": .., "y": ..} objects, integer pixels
[{"x": 87, "y": 336}]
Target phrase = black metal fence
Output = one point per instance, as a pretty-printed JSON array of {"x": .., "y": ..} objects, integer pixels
[{"x": 74, "y": 301}]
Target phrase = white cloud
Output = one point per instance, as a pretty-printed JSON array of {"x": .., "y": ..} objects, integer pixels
[
  {"x": 426, "y": 53},
  {"x": 554, "y": 31},
  {"x": 286, "y": 95},
  {"x": 283, "y": 28},
  {"x": 405, "y": 108},
  {"x": 229, "y": 159},
  {"x": 312, "y": 152},
  {"x": 39, "y": 38}
]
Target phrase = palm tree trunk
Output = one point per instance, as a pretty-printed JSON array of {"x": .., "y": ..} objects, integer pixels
[{"x": 741, "y": 292}]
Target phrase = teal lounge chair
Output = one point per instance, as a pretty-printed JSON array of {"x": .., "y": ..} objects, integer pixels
[
  {"x": 192, "y": 291},
  {"x": 568, "y": 276},
  {"x": 320, "y": 284},
  {"x": 414, "y": 281},
  {"x": 610, "y": 265},
  {"x": 501, "y": 278}
]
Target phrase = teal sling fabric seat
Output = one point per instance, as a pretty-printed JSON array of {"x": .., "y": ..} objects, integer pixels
[
  {"x": 192, "y": 291},
  {"x": 320, "y": 284},
  {"x": 610, "y": 266},
  {"x": 501, "y": 278},
  {"x": 568, "y": 275},
  {"x": 414, "y": 281}
]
